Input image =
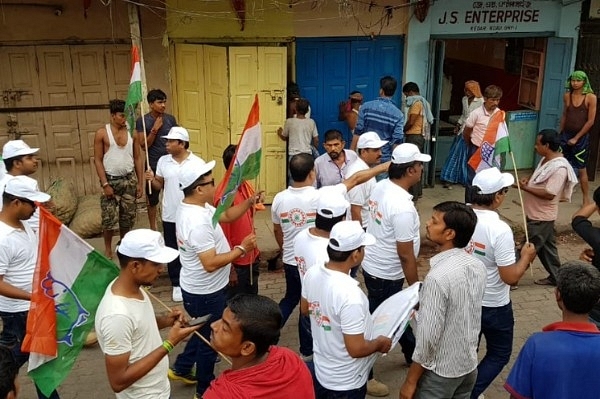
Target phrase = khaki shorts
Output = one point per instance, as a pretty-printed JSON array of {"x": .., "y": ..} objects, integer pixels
[{"x": 119, "y": 212}]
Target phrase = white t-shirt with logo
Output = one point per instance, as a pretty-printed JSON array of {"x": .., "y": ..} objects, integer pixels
[
  {"x": 493, "y": 243},
  {"x": 392, "y": 218},
  {"x": 129, "y": 325},
  {"x": 168, "y": 168},
  {"x": 196, "y": 234},
  {"x": 295, "y": 209},
  {"x": 360, "y": 194},
  {"x": 309, "y": 250},
  {"x": 18, "y": 257},
  {"x": 337, "y": 306}
]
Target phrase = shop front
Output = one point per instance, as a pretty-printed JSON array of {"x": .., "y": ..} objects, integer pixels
[{"x": 525, "y": 47}]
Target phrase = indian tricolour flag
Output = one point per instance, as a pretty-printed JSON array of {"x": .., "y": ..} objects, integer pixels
[
  {"x": 134, "y": 95},
  {"x": 245, "y": 164},
  {"x": 69, "y": 282},
  {"x": 495, "y": 143}
]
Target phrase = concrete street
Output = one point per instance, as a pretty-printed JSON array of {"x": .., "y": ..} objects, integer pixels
[{"x": 534, "y": 306}]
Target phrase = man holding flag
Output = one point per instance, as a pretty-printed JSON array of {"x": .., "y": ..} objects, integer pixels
[
  {"x": 484, "y": 128},
  {"x": 119, "y": 168},
  {"x": 18, "y": 256}
]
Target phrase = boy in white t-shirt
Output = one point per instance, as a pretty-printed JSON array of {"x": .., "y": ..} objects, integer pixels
[
  {"x": 167, "y": 170},
  {"x": 300, "y": 131},
  {"x": 340, "y": 317},
  {"x": 493, "y": 243},
  {"x": 128, "y": 331}
]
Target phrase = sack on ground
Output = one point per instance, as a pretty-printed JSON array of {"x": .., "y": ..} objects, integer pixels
[
  {"x": 64, "y": 199},
  {"x": 87, "y": 221}
]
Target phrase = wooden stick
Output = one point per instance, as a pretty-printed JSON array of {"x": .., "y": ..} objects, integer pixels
[
  {"x": 195, "y": 332},
  {"x": 512, "y": 157}
]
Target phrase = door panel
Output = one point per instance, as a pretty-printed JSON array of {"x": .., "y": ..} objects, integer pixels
[
  {"x": 272, "y": 81},
  {"x": 216, "y": 84},
  {"x": 243, "y": 64},
  {"x": 557, "y": 66},
  {"x": 189, "y": 79}
]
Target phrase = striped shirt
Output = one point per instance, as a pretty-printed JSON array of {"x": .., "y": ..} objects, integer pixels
[
  {"x": 383, "y": 117},
  {"x": 449, "y": 316}
]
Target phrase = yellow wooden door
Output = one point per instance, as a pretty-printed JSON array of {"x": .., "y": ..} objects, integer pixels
[
  {"x": 262, "y": 71},
  {"x": 189, "y": 81},
  {"x": 216, "y": 83},
  {"x": 272, "y": 80}
]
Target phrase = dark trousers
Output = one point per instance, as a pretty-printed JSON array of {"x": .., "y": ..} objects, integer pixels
[
  {"x": 243, "y": 284},
  {"x": 13, "y": 332},
  {"x": 470, "y": 173},
  {"x": 171, "y": 242},
  {"x": 293, "y": 290},
  {"x": 541, "y": 234},
  {"x": 431, "y": 385},
  {"x": 324, "y": 393},
  {"x": 417, "y": 139},
  {"x": 378, "y": 290},
  {"x": 497, "y": 325},
  {"x": 197, "y": 352}
]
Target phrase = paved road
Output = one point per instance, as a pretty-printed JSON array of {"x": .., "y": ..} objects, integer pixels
[{"x": 534, "y": 307}]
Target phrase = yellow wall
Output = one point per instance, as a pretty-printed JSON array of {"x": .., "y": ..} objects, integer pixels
[
  {"x": 192, "y": 19},
  {"x": 28, "y": 25}
]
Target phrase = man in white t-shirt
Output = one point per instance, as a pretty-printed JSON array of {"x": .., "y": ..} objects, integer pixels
[
  {"x": 369, "y": 155},
  {"x": 18, "y": 256},
  {"x": 493, "y": 243},
  {"x": 128, "y": 331},
  {"x": 310, "y": 250},
  {"x": 340, "y": 317},
  {"x": 20, "y": 160},
  {"x": 294, "y": 210},
  {"x": 167, "y": 170},
  {"x": 394, "y": 221},
  {"x": 206, "y": 258}
]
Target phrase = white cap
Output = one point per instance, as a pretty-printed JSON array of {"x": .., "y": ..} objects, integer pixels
[
  {"x": 491, "y": 180},
  {"x": 178, "y": 133},
  {"x": 331, "y": 203},
  {"x": 349, "y": 235},
  {"x": 407, "y": 152},
  {"x": 146, "y": 244},
  {"x": 25, "y": 187},
  {"x": 15, "y": 148},
  {"x": 370, "y": 140},
  {"x": 192, "y": 170}
]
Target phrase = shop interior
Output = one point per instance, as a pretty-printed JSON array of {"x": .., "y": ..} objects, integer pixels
[{"x": 514, "y": 64}]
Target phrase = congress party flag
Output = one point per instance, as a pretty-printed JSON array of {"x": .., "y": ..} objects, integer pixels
[
  {"x": 69, "y": 281},
  {"x": 245, "y": 164},
  {"x": 495, "y": 143},
  {"x": 134, "y": 95}
]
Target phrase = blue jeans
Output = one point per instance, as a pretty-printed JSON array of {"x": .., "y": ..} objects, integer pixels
[
  {"x": 196, "y": 351},
  {"x": 13, "y": 332},
  {"x": 293, "y": 290},
  {"x": 378, "y": 290},
  {"x": 171, "y": 242},
  {"x": 497, "y": 326},
  {"x": 324, "y": 393}
]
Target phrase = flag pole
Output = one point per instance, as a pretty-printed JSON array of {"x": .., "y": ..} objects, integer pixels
[
  {"x": 143, "y": 116},
  {"x": 512, "y": 157},
  {"x": 195, "y": 332}
]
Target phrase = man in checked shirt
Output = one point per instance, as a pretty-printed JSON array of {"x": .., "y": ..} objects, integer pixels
[{"x": 445, "y": 357}]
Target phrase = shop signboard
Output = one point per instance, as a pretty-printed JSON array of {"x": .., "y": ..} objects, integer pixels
[{"x": 494, "y": 16}]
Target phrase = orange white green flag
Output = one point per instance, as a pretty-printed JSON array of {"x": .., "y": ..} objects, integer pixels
[
  {"x": 69, "y": 281},
  {"x": 245, "y": 164},
  {"x": 495, "y": 143},
  {"x": 134, "y": 94}
]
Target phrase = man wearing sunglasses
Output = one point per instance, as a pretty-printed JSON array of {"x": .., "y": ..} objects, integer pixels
[
  {"x": 206, "y": 259},
  {"x": 493, "y": 243},
  {"x": 18, "y": 255}
]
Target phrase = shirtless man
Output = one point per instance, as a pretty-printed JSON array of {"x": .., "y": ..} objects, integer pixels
[
  {"x": 117, "y": 156},
  {"x": 578, "y": 116}
]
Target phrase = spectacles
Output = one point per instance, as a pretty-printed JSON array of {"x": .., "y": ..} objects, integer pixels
[
  {"x": 29, "y": 202},
  {"x": 206, "y": 183}
]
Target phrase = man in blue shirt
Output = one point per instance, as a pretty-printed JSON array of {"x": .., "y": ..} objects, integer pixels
[
  {"x": 563, "y": 360},
  {"x": 382, "y": 116}
]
